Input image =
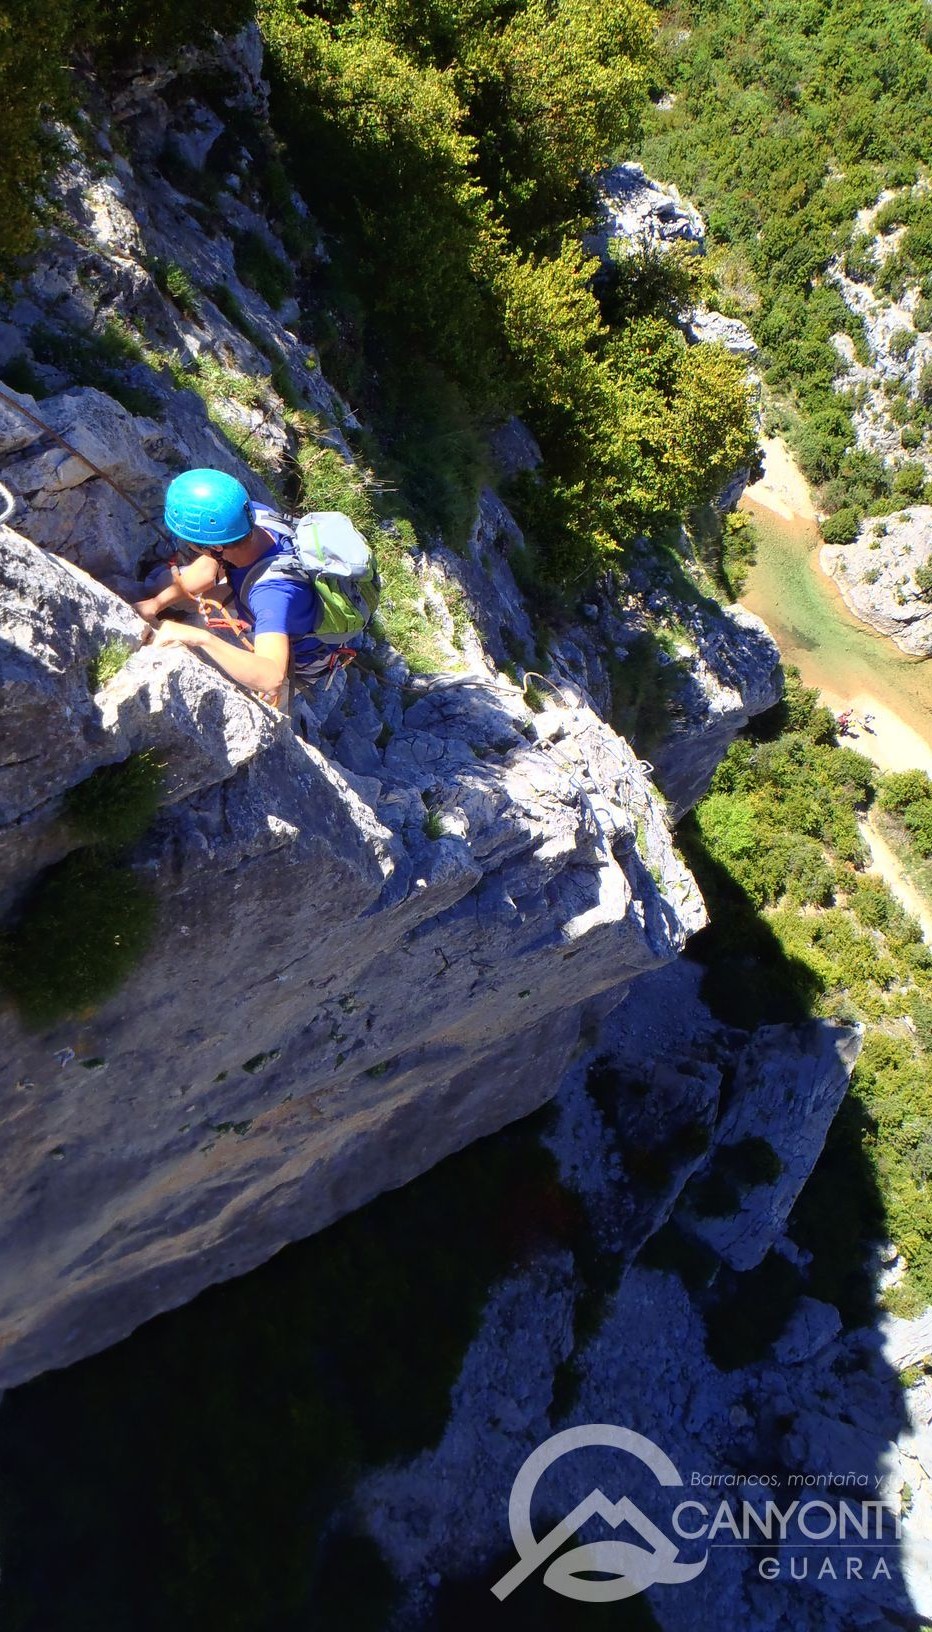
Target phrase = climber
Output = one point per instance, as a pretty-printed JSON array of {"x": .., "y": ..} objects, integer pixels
[{"x": 213, "y": 512}]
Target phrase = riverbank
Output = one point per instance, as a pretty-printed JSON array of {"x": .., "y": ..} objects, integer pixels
[
  {"x": 852, "y": 667},
  {"x": 783, "y": 488}
]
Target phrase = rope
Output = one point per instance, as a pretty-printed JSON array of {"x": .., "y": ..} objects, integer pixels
[
  {"x": 34, "y": 419},
  {"x": 237, "y": 627},
  {"x": 9, "y": 504}
]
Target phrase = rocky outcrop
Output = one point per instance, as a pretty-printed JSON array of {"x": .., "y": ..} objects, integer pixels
[
  {"x": 819, "y": 1402},
  {"x": 257, "y": 1075},
  {"x": 882, "y": 379},
  {"x": 723, "y": 668},
  {"x": 788, "y": 1086},
  {"x": 635, "y": 209},
  {"x": 713, "y": 328},
  {"x": 638, "y": 213},
  {"x": 877, "y": 576}
]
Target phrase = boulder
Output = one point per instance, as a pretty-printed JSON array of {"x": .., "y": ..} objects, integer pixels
[
  {"x": 712, "y": 328},
  {"x": 55, "y": 622}
]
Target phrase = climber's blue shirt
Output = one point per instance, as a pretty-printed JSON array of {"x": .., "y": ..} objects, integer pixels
[{"x": 279, "y": 607}]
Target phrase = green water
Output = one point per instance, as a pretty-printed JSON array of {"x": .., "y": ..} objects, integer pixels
[{"x": 849, "y": 663}]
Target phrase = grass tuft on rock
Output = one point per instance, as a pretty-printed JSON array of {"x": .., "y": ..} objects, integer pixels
[
  {"x": 82, "y": 928},
  {"x": 116, "y": 804},
  {"x": 113, "y": 654}
]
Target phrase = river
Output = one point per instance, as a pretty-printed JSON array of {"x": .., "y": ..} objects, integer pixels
[{"x": 851, "y": 665}]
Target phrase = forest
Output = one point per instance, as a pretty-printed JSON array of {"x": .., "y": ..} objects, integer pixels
[{"x": 782, "y": 122}]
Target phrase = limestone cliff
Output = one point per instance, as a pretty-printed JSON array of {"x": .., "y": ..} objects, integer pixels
[
  {"x": 373, "y": 943},
  {"x": 333, "y": 1001}
]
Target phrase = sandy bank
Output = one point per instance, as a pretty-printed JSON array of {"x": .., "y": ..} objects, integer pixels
[
  {"x": 783, "y": 487},
  {"x": 894, "y": 745}
]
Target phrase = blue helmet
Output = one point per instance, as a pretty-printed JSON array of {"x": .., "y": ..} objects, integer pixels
[{"x": 208, "y": 508}]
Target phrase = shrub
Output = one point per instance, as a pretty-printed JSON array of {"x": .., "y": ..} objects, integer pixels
[
  {"x": 908, "y": 483},
  {"x": 899, "y": 789},
  {"x": 82, "y": 928},
  {"x": 842, "y": 527},
  {"x": 175, "y": 282},
  {"x": 922, "y": 315},
  {"x": 97, "y": 357},
  {"x": 714, "y": 1196},
  {"x": 901, "y": 343},
  {"x": 262, "y": 269},
  {"x": 109, "y": 661},
  {"x": 116, "y": 804},
  {"x": 227, "y": 303}
]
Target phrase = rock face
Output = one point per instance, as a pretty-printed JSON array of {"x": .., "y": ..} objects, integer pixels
[
  {"x": 257, "y": 1075},
  {"x": 634, "y": 208},
  {"x": 877, "y": 576},
  {"x": 888, "y": 375},
  {"x": 818, "y": 1401},
  {"x": 789, "y": 1083},
  {"x": 724, "y": 670}
]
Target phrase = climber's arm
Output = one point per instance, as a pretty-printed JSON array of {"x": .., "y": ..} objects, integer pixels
[
  {"x": 261, "y": 670},
  {"x": 193, "y": 580}
]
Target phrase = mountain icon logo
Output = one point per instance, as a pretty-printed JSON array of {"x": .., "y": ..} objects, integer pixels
[{"x": 624, "y": 1567}]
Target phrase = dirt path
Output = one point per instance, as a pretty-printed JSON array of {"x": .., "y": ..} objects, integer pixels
[{"x": 888, "y": 865}]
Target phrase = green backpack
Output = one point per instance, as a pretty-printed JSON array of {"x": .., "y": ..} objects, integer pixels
[{"x": 328, "y": 552}]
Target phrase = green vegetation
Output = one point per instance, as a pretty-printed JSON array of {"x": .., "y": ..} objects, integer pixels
[
  {"x": 227, "y": 303},
  {"x": 117, "y": 803},
  {"x": 176, "y": 283},
  {"x": 327, "y": 482},
  {"x": 798, "y": 929},
  {"x": 908, "y": 795},
  {"x": 644, "y": 684},
  {"x": 788, "y": 119},
  {"x": 455, "y": 193},
  {"x": 82, "y": 928},
  {"x": 262, "y": 269},
  {"x": 842, "y": 527},
  {"x": 98, "y": 357},
  {"x": 434, "y": 825},
  {"x": 718, "y": 1191},
  {"x": 36, "y": 48},
  {"x": 87, "y": 920},
  {"x": 113, "y": 654}
]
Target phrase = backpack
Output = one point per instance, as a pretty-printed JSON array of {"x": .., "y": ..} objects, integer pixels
[{"x": 326, "y": 551}]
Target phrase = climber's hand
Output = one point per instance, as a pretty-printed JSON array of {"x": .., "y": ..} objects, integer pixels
[
  {"x": 180, "y": 634},
  {"x": 149, "y": 608}
]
